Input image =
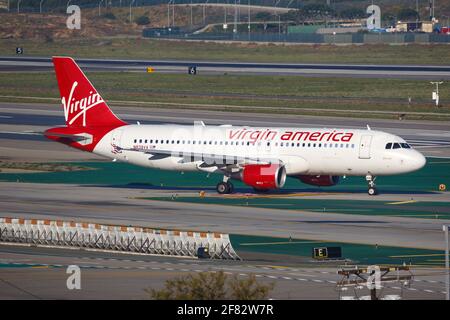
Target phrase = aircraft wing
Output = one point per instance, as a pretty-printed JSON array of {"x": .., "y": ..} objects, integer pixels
[{"x": 218, "y": 160}]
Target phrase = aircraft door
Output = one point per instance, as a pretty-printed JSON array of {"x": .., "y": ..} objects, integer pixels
[{"x": 364, "y": 147}]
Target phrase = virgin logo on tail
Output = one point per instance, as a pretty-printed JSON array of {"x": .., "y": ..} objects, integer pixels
[{"x": 79, "y": 107}]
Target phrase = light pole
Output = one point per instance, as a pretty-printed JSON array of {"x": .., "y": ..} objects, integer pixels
[
  {"x": 168, "y": 13},
  {"x": 40, "y": 6},
  {"x": 192, "y": 21},
  {"x": 225, "y": 14},
  {"x": 131, "y": 4},
  {"x": 436, "y": 93},
  {"x": 99, "y": 7},
  {"x": 18, "y": 5},
  {"x": 249, "y": 27},
  {"x": 447, "y": 269},
  {"x": 204, "y": 11},
  {"x": 235, "y": 16}
]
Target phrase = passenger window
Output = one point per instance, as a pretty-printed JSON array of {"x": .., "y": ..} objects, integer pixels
[
  {"x": 135, "y": 140},
  {"x": 389, "y": 146},
  {"x": 396, "y": 146},
  {"x": 140, "y": 140}
]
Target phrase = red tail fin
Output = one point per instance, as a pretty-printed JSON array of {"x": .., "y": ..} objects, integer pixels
[{"x": 83, "y": 105}]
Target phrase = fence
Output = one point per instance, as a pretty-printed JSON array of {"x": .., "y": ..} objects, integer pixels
[
  {"x": 345, "y": 38},
  {"x": 116, "y": 238}
]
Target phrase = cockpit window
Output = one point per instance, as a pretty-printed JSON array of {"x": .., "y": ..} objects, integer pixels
[
  {"x": 405, "y": 146},
  {"x": 396, "y": 146},
  {"x": 389, "y": 146}
]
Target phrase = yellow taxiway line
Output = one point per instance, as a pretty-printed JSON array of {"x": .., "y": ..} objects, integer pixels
[
  {"x": 276, "y": 243},
  {"x": 419, "y": 255},
  {"x": 402, "y": 202}
]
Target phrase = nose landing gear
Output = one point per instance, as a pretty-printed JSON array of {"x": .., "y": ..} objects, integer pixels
[
  {"x": 371, "y": 190},
  {"x": 225, "y": 186}
]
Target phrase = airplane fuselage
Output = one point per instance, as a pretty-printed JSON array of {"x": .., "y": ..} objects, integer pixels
[{"x": 309, "y": 151}]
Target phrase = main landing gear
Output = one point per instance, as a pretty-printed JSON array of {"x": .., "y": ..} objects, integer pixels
[
  {"x": 371, "y": 189},
  {"x": 225, "y": 186}
]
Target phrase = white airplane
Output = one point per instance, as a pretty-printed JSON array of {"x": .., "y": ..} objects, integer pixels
[{"x": 261, "y": 157}]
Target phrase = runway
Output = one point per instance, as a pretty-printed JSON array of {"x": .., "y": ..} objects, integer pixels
[
  {"x": 23, "y": 270},
  {"x": 431, "y": 137},
  {"x": 28, "y": 64}
]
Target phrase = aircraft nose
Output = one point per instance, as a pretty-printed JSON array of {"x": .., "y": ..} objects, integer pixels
[{"x": 418, "y": 161}]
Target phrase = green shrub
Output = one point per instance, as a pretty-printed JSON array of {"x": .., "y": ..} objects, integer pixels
[{"x": 143, "y": 20}]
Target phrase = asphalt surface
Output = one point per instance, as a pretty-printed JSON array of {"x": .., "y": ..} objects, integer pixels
[
  {"x": 40, "y": 273},
  {"x": 430, "y": 137},
  {"x": 27, "y": 64}
]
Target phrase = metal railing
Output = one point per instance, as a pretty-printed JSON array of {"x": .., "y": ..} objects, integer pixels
[{"x": 115, "y": 238}]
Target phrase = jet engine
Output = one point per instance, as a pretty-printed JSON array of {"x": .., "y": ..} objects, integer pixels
[{"x": 264, "y": 176}]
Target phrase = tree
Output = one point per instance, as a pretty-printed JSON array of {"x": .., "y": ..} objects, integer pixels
[
  {"x": 211, "y": 286},
  {"x": 143, "y": 20},
  {"x": 408, "y": 14},
  {"x": 352, "y": 13}
]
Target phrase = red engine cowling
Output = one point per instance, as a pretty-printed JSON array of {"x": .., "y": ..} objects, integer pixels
[
  {"x": 321, "y": 181},
  {"x": 264, "y": 176}
]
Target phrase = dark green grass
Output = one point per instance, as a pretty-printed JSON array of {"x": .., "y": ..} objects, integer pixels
[
  {"x": 427, "y": 180},
  {"x": 247, "y": 93},
  {"x": 129, "y": 48},
  {"x": 358, "y": 253}
]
